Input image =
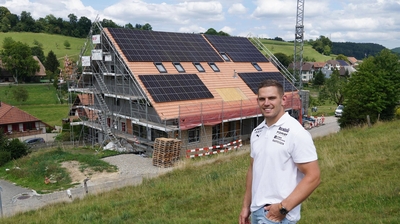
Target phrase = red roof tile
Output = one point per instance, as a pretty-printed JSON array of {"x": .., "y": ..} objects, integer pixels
[{"x": 10, "y": 115}]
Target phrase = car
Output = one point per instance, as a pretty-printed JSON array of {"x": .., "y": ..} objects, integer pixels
[
  {"x": 339, "y": 111},
  {"x": 32, "y": 141}
]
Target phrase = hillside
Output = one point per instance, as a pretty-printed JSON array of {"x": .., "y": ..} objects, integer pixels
[
  {"x": 359, "y": 180},
  {"x": 396, "y": 50},
  {"x": 50, "y": 42}
]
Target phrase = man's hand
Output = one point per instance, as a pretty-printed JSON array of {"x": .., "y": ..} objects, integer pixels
[
  {"x": 273, "y": 213},
  {"x": 244, "y": 216}
]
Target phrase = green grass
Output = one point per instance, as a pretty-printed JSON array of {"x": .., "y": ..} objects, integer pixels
[
  {"x": 42, "y": 102},
  {"x": 47, "y": 163},
  {"x": 287, "y": 48},
  {"x": 360, "y": 184},
  {"x": 50, "y": 42}
]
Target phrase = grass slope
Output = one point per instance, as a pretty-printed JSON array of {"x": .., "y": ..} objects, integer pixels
[
  {"x": 288, "y": 49},
  {"x": 360, "y": 184},
  {"x": 42, "y": 102},
  {"x": 50, "y": 42}
]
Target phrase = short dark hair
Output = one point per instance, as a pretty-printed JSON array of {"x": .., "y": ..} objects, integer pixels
[{"x": 269, "y": 83}]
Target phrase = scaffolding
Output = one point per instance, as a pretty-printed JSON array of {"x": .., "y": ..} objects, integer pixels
[{"x": 111, "y": 107}]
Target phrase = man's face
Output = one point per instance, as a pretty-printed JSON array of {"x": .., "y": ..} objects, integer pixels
[{"x": 271, "y": 103}]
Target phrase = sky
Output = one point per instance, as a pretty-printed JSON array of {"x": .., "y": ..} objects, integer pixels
[{"x": 366, "y": 21}]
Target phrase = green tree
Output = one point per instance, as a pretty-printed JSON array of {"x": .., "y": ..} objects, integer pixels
[
  {"x": 373, "y": 90},
  {"x": 67, "y": 44},
  {"x": 20, "y": 94},
  {"x": 37, "y": 50},
  {"x": 147, "y": 26},
  {"x": 51, "y": 62},
  {"x": 211, "y": 31},
  {"x": 342, "y": 57},
  {"x": 333, "y": 89},
  {"x": 283, "y": 59},
  {"x": 17, "y": 59},
  {"x": 319, "y": 79}
]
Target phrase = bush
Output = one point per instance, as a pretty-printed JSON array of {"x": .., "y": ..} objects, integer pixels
[
  {"x": 17, "y": 148},
  {"x": 397, "y": 113},
  {"x": 4, "y": 157}
]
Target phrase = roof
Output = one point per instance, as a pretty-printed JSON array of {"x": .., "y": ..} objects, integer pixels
[
  {"x": 352, "y": 60},
  {"x": 307, "y": 66},
  {"x": 342, "y": 63},
  {"x": 227, "y": 89},
  {"x": 40, "y": 73},
  {"x": 332, "y": 62},
  {"x": 11, "y": 115},
  {"x": 319, "y": 65}
]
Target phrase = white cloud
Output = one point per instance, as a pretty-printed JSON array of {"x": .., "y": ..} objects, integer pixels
[
  {"x": 237, "y": 8},
  {"x": 227, "y": 29}
]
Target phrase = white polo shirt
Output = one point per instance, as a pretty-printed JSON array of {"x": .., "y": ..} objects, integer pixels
[{"x": 276, "y": 150}]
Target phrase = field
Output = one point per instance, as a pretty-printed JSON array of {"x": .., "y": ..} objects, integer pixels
[
  {"x": 50, "y": 42},
  {"x": 42, "y": 102},
  {"x": 288, "y": 49},
  {"x": 360, "y": 184}
]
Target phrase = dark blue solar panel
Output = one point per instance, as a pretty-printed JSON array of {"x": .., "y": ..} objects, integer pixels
[
  {"x": 239, "y": 49},
  {"x": 167, "y": 88},
  {"x": 342, "y": 63},
  {"x": 154, "y": 46},
  {"x": 253, "y": 80}
]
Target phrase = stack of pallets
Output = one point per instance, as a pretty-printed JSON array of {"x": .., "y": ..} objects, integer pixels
[{"x": 166, "y": 151}]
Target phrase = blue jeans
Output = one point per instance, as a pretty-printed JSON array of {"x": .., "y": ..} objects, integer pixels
[{"x": 260, "y": 217}]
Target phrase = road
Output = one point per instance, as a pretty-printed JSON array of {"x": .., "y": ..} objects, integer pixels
[{"x": 330, "y": 126}]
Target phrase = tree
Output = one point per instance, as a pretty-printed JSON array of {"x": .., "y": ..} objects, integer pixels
[
  {"x": 319, "y": 79},
  {"x": 283, "y": 59},
  {"x": 211, "y": 31},
  {"x": 17, "y": 59},
  {"x": 51, "y": 63},
  {"x": 147, "y": 26},
  {"x": 20, "y": 94},
  {"x": 372, "y": 90},
  {"x": 37, "y": 50},
  {"x": 334, "y": 88},
  {"x": 67, "y": 44}
]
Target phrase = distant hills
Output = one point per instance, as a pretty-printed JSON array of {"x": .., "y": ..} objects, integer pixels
[
  {"x": 357, "y": 50},
  {"x": 396, "y": 50}
]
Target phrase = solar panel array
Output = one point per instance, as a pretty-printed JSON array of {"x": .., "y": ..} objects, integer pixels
[
  {"x": 167, "y": 88},
  {"x": 239, "y": 49},
  {"x": 253, "y": 80},
  {"x": 154, "y": 46}
]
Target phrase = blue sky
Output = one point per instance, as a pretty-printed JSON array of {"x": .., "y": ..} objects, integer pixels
[{"x": 367, "y": 21}]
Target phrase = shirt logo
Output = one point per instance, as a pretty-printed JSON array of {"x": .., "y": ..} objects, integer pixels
[{"x": 280, "y": 136}]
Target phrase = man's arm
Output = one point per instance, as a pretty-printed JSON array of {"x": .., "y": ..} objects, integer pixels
[
  {"x": 245, "y": 213},
  {"x": 306, "y": 186}
]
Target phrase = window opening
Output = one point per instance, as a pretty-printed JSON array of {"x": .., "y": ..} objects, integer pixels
[
  {"x": 198, "y": 66},
  {"x": 224, "y": 56},
  {"x": 178, "y": 67},
  {"x": 160, "y": 67},
  {"x": 256, "y": 66},
  {"x": 194, "y": 135},
  {"x": 213, "y": 66}
]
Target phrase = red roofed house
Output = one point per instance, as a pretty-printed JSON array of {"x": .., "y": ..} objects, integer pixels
[{"x": 17, "y": 123}]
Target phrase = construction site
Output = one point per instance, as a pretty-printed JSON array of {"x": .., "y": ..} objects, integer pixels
[{"x": 131, "y": 87}]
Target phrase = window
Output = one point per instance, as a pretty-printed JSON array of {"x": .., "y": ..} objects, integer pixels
[
  {"x": 178, "y": 67},
  {"x": 194, "y": 135},
  {"x": 213, "y": 66},
  {"x": 256, "y": 66},
  {"x": 198, "y": 66},
  {"x": 160, "y": 67},
  {"x": 224, "y": 56},
  {"x": 123, "y": 126}
]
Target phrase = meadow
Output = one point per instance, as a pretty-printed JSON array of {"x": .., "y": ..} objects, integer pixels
[
  {"x": 42, "y": 102},
  {"x": 50, "y": 42},
  {"x": 360, "y": 184}
]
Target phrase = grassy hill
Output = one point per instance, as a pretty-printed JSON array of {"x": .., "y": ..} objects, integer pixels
[
  {"x": 42, "y": 102},
  {"x": 56, "y": 44},
  {"x": 50, "y": 42},
  {"x": 288, "y": 49},
  {"x": 360, "y": 184}
]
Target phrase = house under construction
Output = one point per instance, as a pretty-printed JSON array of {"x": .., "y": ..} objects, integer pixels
[{"x": 135, "y": 86}]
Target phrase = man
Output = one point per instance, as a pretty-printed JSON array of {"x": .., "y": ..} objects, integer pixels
[{"x": 283, "y": 169}]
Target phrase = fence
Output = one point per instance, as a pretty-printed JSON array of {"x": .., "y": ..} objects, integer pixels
[{"x": 206, "y": 151}]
